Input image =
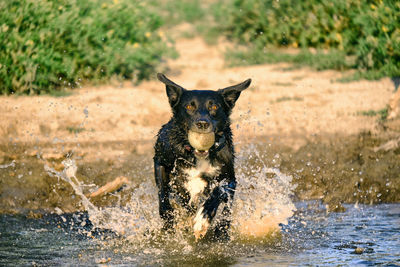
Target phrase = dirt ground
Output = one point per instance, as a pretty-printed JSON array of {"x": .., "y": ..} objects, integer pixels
[{"x": 304, "y": 115}]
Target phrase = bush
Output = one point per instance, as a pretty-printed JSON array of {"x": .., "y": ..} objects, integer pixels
[
  {"x": 47, "y": 45},
  {"x": 366, "y": 33}
]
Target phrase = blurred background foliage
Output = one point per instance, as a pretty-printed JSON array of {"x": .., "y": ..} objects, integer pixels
[
  {"x": 346, "y": 34},
  {"x": 48, "y": 45}
]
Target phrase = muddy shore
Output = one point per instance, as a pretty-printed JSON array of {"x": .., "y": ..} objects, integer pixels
[
  {"x": 335, "y": 170},
  {"x": 320, "y": 131}
]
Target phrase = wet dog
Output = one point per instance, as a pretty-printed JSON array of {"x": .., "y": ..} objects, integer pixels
[{"x": 194, "y": 158}]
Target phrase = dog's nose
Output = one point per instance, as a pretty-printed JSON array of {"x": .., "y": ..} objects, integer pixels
[{"x": 202, "y": 125}]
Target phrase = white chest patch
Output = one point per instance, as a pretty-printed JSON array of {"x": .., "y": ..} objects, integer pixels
[{"x": 195, "y": 184}]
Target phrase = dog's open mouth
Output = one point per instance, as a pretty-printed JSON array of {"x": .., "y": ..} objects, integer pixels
[{"x": 201, "y": 153}]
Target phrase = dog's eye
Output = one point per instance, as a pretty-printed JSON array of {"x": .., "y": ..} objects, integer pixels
[
  {"x": 190, "y": 107},
  {"x": 213, "y": 107}
]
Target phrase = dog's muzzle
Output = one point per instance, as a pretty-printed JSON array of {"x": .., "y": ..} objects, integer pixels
[{"x": 201, "y": 136}]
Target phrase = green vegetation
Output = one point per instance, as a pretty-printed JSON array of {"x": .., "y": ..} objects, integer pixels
[
  {"x": 175, "y": 12},
  {"x": 75, "y": 130},
  {"x": 348, "y": 34},
  {"x": 49, "y": 45},
  {"x": 194, "y": 12},
  {"x": 288, "y": 98},
  {"x": 335, "y": 59},
  {"x": 59, "y": 93},
  {"x": 382, "y": 113}
]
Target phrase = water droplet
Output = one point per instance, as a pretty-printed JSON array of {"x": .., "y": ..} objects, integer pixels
[{"x": 86, "y": 112}]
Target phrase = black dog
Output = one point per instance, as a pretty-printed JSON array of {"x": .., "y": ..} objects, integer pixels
[{"x": 198, "y": 180}]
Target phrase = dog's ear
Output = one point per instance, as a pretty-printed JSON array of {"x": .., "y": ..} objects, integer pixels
[
  {"x": 174, "y": 91},
  {"x": 231, "y": 94}
]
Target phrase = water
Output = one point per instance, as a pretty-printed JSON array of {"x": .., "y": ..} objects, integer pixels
[
  {"x": 268, "y": 229},
  {"x": 312, "y": 237}
]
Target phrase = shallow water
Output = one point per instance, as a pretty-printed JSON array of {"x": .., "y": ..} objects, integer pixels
[
  {"x": 311, "y": 237},
  {"x": 268, "y": 228}
]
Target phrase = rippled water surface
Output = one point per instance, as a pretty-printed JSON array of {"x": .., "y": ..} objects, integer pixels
[
  {"x": 268, "y": 229},
  {"x": 363, "y": 235}
]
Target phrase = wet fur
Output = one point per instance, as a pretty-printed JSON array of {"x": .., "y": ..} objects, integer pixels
[{"x": 199, "y": 185}]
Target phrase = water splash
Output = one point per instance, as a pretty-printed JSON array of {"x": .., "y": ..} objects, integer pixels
[
  {"x": 133, "y": 220},
  {"x": 68, "y": 174},
  {"x": 262, "y": 202},
  {"x": 263, "y": 196}
]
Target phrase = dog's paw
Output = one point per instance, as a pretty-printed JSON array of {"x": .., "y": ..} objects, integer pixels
[{"x": 200, "y": 224}]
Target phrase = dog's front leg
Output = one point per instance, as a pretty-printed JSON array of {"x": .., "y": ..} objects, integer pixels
[
  {"x": 207, "y": 211},
  {"x": 162, "y": 179},
  {"x": 221, "y": 230}
]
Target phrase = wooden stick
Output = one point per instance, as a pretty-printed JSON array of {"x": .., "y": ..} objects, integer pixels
[{"x": 109, "y": 187}]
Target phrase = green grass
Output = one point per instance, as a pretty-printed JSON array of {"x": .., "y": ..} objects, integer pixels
[
  {"x": 320, "y": 60},
  {"x": 60, "y": 93},
  {"x": 368, "y": 75},
  {"x": 288, "y": 98},
  {"x": 381, "y": 113},
  {"x": 75, "y": 130}
]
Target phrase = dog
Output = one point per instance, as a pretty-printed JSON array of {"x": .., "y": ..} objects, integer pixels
[{"x": 194, "y": 158}]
